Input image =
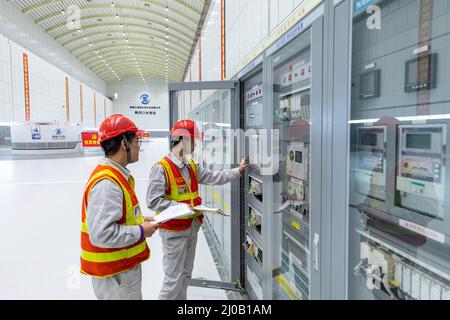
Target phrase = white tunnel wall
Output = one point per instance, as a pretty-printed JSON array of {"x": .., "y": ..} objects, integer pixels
[
  {"x": 47, "y": 89},
  {"x": 247, "y": 24},
  {"x": 49, "y": 64}
]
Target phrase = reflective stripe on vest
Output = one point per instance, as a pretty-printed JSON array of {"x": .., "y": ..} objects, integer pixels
[
  {"x": 189, "y": 193},
  {"x": 114, "y": 256},
  {"x": 100, "y": 262}
]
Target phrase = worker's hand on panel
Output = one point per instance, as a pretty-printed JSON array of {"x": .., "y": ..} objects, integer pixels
[
  {"x": 150, "y": 228},
  {"x": 244, "y": 164}
]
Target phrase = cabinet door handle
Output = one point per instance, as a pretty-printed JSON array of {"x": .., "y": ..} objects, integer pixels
[{"x": 316, "y": 251}]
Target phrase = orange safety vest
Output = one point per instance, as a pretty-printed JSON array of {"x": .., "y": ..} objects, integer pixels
[
  {"x": 100, "y": 262},
  {"x": 178, "y": 190}
]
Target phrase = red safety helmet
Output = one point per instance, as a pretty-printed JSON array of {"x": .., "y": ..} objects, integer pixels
[
  {"x": 116, "y": 125},
  {"x": 186, "y": 128}
]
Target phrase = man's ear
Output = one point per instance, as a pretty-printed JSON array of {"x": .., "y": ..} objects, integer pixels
[{"x": 123, "y": 145}]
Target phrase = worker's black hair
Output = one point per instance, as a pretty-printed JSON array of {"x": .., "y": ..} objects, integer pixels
[
  {"x": 174, "y": 141},
  {"x": 112, "y": 146}
]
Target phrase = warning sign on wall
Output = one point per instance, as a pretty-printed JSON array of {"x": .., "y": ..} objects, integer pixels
[{"x": 90, "y": 140}]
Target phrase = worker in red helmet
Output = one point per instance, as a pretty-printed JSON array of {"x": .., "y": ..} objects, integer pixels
[
  {"x": 113, "y": 230},
  {"x": 174, "y": 180}
]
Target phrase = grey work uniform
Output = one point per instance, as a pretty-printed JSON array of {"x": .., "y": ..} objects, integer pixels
[
  {"x": 179, "y": 246},
  {"x": 103, "y": 211}
]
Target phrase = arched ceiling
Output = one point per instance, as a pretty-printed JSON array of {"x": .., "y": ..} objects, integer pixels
[{"x": 120, "y": 38}]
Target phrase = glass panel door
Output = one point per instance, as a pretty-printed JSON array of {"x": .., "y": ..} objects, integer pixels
[
  {"x": 292, "y": 73},
  {"x": 211, "y": 110},
  {"x": 399, "y": 210}
]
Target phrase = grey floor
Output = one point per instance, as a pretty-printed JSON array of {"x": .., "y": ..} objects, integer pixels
[{"x": 40, "y": 229}]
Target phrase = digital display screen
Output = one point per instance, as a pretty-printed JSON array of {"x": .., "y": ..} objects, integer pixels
[
  {"x": 370, "y": 84},
  {"x": 419, "y": 70},
  {"x": 421, "y": 73},
  {"x": 412, "y": 72},
  {"x": 369, "y": 139},
  {"x": 418, "y": 141},
  {"x": 298, "y": 156}
]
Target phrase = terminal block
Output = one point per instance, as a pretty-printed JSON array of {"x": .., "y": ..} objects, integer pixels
[
  {"x": 254, "y": 219},
  {"x": 399, "y": 277},
  {"x": 253, "y": 249}
]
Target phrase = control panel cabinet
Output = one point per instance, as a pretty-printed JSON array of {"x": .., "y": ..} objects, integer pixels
[{"x": 399, "y": 242}]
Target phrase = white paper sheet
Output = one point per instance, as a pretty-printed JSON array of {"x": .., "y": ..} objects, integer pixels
[
  {"x": 174, "y": 212},
  {"x": 210, "y": 210}
]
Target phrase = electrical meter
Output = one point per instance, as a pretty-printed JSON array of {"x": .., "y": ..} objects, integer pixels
[
  {"x": 421, "y": 73},
  {"x": 421, "y": 168},
  {"x": 296, "y": 189},
  {"x": 371, "y": 162},
  {"x": 298, "y": 161},
  {"x": 369, "y": 84},
  {"x": 255, "y": 114}
]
